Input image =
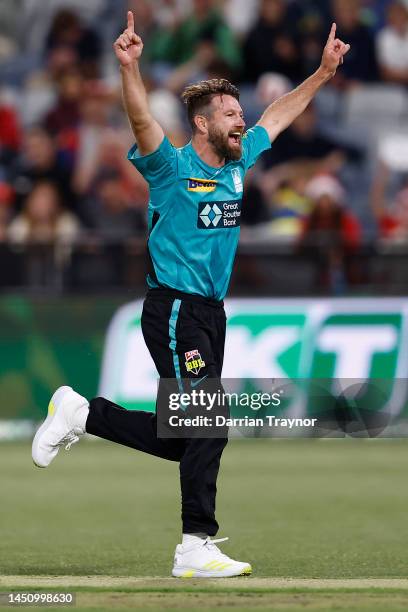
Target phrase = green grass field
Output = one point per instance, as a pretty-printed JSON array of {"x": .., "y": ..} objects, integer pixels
[{"x": 331, "y": 515}]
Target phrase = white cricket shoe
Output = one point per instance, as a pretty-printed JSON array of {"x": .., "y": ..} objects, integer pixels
[
  {"x": 205, "y": 560},
  {"x": 67, "y": 414}
]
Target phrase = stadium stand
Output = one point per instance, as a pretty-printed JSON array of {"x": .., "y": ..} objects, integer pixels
[{"x": 64, "y": 137}]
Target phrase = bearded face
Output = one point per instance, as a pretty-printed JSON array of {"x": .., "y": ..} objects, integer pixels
[
  {"x": 222, "y": 125},
  {"x": 226, "y": 144}
]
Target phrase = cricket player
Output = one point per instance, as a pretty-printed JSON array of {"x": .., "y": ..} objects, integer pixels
[{"x": 194, "y": 223}]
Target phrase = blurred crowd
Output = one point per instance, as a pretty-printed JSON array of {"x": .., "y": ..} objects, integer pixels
[{"x": 336, "y": 178}]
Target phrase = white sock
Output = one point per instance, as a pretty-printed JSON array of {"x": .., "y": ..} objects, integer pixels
[{"x": 193, "y": 538}]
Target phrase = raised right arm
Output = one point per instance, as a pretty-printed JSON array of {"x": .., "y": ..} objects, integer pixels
[{"x": 128, "y": 48}]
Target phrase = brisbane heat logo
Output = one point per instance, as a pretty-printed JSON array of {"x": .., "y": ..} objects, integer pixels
[{"x": 194, "y": 363}]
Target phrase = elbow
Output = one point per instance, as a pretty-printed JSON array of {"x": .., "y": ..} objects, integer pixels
[{"x": 140, "y": 123}]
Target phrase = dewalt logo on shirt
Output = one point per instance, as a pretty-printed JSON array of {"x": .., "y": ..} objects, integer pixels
[{"x": 201, "y": 185}]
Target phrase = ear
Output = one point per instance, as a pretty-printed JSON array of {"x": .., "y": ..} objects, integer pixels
[{"x": 201, "y": 124}]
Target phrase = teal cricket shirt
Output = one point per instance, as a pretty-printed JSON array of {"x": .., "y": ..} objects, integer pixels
[{"x": 194, "y": 214}]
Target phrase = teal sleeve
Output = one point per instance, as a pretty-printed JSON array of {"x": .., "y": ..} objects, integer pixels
[
  {"x": 158, "y": 168},
  {"x": 254, "y": 142}
]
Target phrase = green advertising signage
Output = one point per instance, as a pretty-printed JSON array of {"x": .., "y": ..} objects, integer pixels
[
  {"x": 97, "y": 346},
  {"x": 275, "y": 339}
]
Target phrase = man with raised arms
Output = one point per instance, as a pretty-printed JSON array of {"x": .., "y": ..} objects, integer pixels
[{"x": 194, "y": 223}]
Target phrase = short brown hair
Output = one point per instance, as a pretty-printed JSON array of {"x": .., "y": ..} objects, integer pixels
[{"x": 198, "y": 97}]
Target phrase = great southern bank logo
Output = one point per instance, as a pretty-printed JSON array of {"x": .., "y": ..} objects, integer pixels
[
  {"x": 219, "y": 214},
  {"x": 211, "y": 215}
]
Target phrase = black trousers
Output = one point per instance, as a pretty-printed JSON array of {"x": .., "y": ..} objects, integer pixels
[{"x": 180, "y": 331}]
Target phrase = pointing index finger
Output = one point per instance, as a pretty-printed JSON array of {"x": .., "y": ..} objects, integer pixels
[
  {"x": 130, "y": 21},
  {"x": 332, "y": 34}
]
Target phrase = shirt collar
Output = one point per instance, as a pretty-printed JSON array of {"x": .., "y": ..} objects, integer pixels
[{"x": 202, "y": 163}]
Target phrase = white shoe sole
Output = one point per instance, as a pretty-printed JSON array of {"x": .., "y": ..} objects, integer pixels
[
  {"x": 46, "y": 424},
  {"x": 185, "y": 572}
]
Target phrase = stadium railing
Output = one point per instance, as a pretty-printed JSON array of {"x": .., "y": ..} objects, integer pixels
[{"x": 261, "y": 270}]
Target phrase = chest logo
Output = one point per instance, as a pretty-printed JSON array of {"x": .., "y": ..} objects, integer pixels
[
  {"x": 201, "y": 185},
  {"x": 217, "y": 215},
  {"x": 236, "y": 177},
  {"x": 211, "y": 215}
]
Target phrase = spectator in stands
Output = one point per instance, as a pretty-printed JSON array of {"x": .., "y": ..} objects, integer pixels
[
  {"x": 313, "y": 20},
  {"x": 94, "y": 135},
  {"x": 148, "y": 18},
  {"x": 391, "y": 213},
  {"x": 394, "y": 225},
  {"x": 298, "y": 154},
  {"x": 392, "y": 45},
  {"x": 4, "y": 221},
  {"x": 375, "y": 11},
  {"x": 167, "y": 108},
  {"x": 284, "y": 194},
  {"x": 360, "y": 66},
  {"x": 103, "y": 150},
  {"x": 302, "y": 142},
  {"x": 163, "y": 14},
  {"x": 110, "y": 215},
  {"x": 205, "y": 29},
  {"x": 10, "y": 133},
  {"x": 9, "y": 13},
  {"x": 328, "y": 214},
  {"x": 43, "y": 219},
  {"x": 331, "y": 234},
  {"x": 34, "y": 18},
  {"x": 69, "y": 43},
  {"x": 290, "y": 204},
  {"x": 255, "y": 209},
  {"x": 240, "y": 15},
  {"x": 65, "y": 115},
  {"x": 271, "y": 44},
  {"x": 204, "y": 65},
  {"x": 6, "y": 200},
  {"x": 169, "y": 13},
  {"x": 39, "y": 161}
]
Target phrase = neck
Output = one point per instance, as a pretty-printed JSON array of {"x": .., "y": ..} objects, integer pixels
[{"x": 206, "y": 152}]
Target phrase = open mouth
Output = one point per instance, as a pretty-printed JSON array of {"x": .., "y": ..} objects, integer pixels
[{"x": 236, "y": 137}]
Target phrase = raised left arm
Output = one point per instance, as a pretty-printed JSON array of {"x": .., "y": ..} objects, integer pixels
[{"x": 279, "y": 115}]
